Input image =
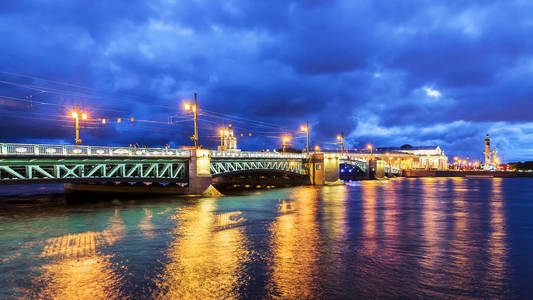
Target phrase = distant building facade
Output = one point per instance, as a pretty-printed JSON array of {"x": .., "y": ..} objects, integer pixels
[
  {"x": 228, "y": 139},
  {"x": 428, "y": 157}
]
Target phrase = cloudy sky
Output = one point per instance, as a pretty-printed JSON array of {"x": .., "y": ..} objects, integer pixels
[{"x": 383, "y": 72}]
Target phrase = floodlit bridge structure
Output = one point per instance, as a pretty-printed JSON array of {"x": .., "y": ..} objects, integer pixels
[{"x": 187, "y": 171}]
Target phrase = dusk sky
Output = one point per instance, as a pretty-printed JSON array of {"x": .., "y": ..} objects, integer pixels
[{"x": 383, "y": 72}]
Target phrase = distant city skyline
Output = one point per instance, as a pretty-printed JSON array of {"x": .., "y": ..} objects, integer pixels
[{"x": 385, "y": 73}]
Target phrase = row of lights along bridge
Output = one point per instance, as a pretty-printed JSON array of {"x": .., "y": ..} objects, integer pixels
[{"x": 285, "y": 140}]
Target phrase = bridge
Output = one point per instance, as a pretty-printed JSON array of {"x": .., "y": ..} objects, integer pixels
[{"x": 187, "y": 171}]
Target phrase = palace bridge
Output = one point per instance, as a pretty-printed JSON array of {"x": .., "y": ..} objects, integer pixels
[{"x": 101, "y": 168}]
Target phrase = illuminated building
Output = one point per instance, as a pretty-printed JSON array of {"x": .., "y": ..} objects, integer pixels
[
  {"x": 425, "y": 157},
  {"x": 228, "y": 139}
]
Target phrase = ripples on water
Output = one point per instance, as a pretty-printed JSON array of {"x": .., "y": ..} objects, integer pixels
[{"x": 429, "y": 238}]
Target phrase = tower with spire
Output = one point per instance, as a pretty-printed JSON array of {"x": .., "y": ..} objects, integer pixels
[{"x": 229, "y": 141}]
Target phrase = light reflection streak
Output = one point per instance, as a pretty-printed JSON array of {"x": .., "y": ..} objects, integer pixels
[
  {"x": 334, "y": 232},
  {"x": 204, "y": 261},
  {"x": 294, "y": 248},
  {"x": 369, "y": 233},
  {"x": 334, "y": 214},
  {"x": 78, "y": 269},
  {"x": 497, "y": 247},
  {"x": 433, "y": 214},
  {"x": 458, "y": 267},
  {"x": 145, "y": 225}
]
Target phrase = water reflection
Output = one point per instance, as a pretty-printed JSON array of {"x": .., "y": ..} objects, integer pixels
[
  {"x": 203, "y": 263},
  {"x": 294, "y": 243},
  {"x": 145, "y": 225},
  {"x": 412, "y": 238},
  {"x": 78, "y": 269},
  {"x": 369, "y": 197},
  {"x": 497, "y": 247}
]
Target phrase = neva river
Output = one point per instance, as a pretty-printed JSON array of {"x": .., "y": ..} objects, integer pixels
[{"x": 424, "y": 238}]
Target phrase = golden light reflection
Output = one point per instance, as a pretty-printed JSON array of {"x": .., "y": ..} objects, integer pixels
[
  {"x": 78, "y": 269},
  {"x": 497, "y": 246},
  {"x": 294, "y": 244},
  {"x": 145, "y": 225},
  {"x": 391, "y": 225},
  {"x": 204, "y": 263},
  {"x": 459, "y": 262},
  {"x": 432, "y": 234},
  {"x": 225, "y": 220},
  {"x": 285, "y": 207},
  {"x": 334, "y": 213},
  {"x": 369, "y": 199}
]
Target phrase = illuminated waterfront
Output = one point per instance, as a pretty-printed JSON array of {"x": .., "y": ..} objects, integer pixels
[{"x": 431, "y": 237}]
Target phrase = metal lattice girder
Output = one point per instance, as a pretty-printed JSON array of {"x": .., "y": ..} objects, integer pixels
[
  {"x": 359, "y": 163},
  {"x": 221, "y": 166},
  {"x": 17, "y": 170}
]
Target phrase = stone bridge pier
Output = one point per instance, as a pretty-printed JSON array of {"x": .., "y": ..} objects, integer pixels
[{"x": 199, "y": 171}]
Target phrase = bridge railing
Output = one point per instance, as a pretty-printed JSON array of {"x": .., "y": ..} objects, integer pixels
[
  {"x": 71, "y": 150},
  {"x": 238, "y": 154}
]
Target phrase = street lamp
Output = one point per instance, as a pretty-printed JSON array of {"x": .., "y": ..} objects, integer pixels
[
  {"x": 284, "y": 141},
  {"x": 317, "y": 148},
  {"x": 223, "y": 133},
  {"x": 221, "y": 137},
  {"x": 340, "y": 138},
  {"x": 76, "y": 116},
  {"x": 306, "y": 130},
  {"x": 369, "y": 147},
  {"x": 194, "y": 108}
]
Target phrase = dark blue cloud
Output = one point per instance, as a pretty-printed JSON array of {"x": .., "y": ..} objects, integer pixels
[{"x": 385, "y": 72}]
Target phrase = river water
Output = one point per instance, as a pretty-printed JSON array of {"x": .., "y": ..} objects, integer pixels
[{"x": 426, "y": 238}]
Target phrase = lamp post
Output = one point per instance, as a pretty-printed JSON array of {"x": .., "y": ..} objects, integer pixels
[
  {"x": 341, "y": 139},
  {"x": 306, "y": 130},
  {"x": 221, "y": 138},
  {"x": 284, "y": 141},
  {"x": 76, "y": 116},
  {"x": 194, "y": 109},
  {"x": 370, "y": 147}
]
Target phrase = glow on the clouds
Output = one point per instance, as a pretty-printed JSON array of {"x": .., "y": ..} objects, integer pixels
[{"x": 432, "y": 93}]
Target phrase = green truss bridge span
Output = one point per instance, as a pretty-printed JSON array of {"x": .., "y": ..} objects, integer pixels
[
  {"x": 193, "y": 170},
  {"x": 186, "y": 171}
]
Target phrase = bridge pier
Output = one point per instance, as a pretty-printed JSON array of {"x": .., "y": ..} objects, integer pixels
[
  {"x": 377, "y": 169},
  {"x": 331, "y": 168},
  {"x": 199, "y": 171},
  {"x": 316, "y": 168}
]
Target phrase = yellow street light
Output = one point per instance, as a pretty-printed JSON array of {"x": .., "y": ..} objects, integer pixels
[
  {"x": 222, "y": 134},
  {"x": 341, "y": 139},
  {"x": 284, "y": 141},
  {"x": 317, "y": 148},
  {"x": 306, "y": 130},
  {"x": 75, "y": 115},
  {"x": 369, "y": 147},
  {"x": 194, "y": 109}
]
